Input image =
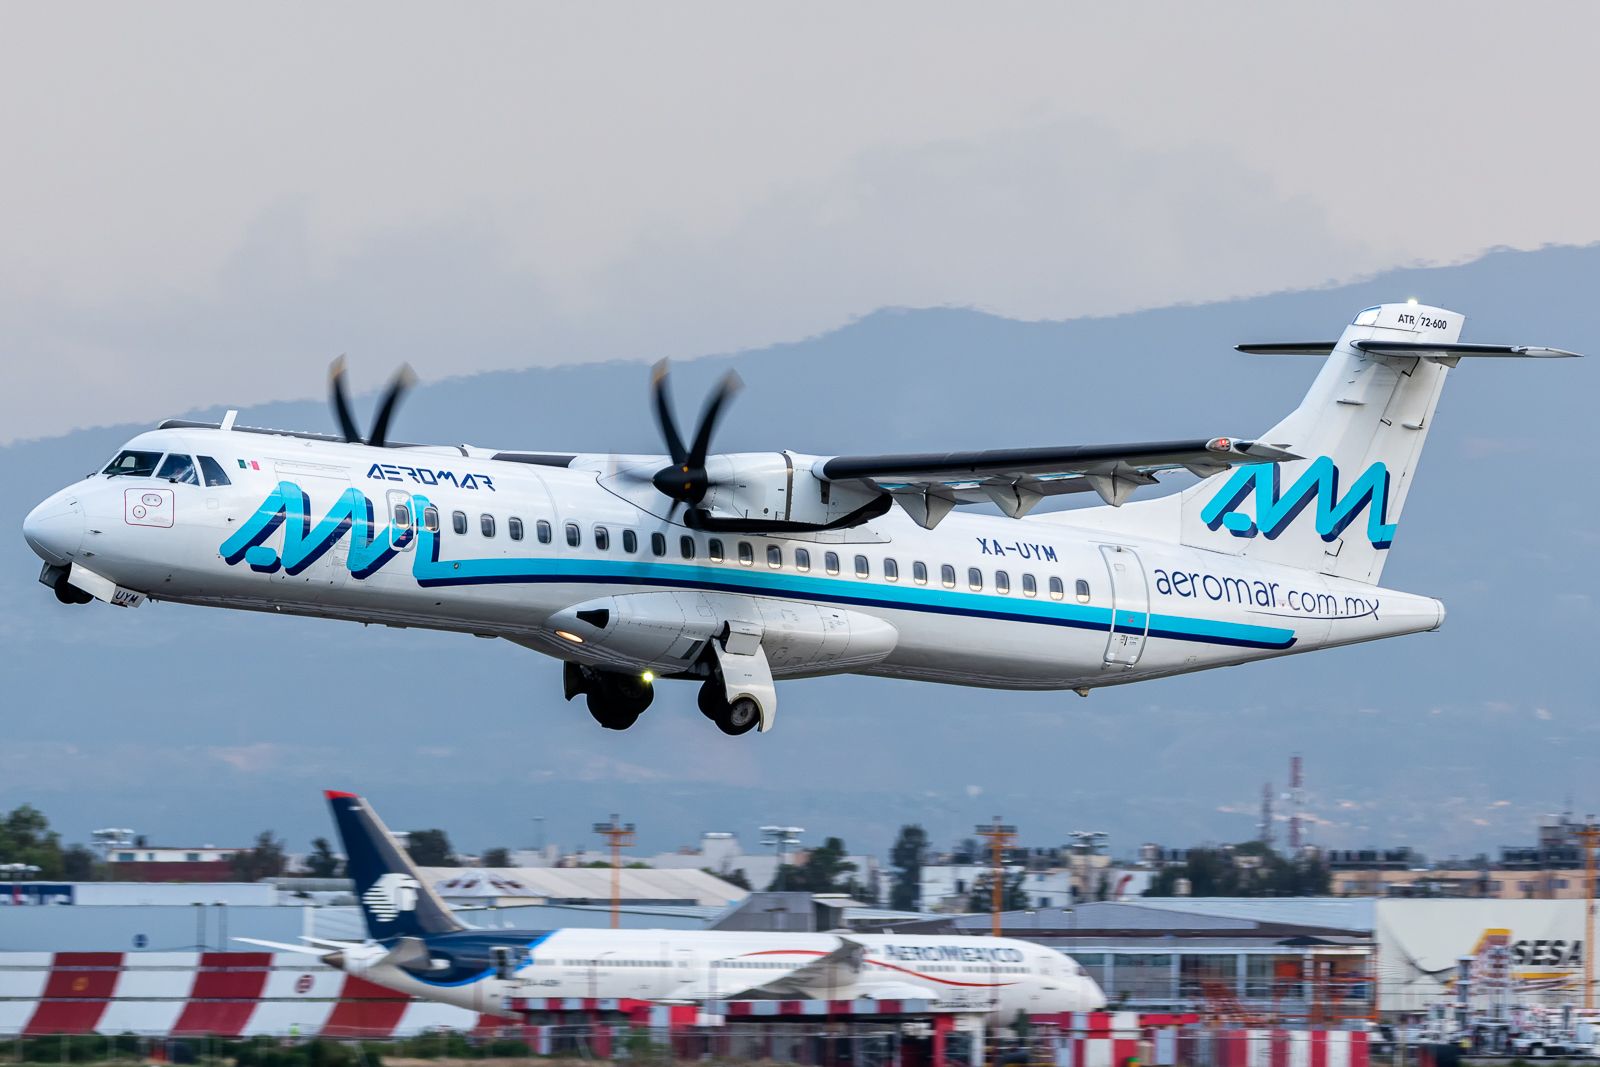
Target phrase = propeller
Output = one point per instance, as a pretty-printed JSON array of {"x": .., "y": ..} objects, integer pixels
[
  {"x": 686, "y": 481},
  {"x": 403, "y": 379}
]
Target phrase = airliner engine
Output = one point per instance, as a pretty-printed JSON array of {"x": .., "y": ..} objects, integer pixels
[{"x": 667, "y": 632}]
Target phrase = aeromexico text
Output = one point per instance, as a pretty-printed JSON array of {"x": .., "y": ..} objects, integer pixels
[{"x": 963, "y": 953}]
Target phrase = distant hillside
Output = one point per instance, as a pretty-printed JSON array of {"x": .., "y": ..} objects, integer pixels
[{"x": 193, "y": 725}]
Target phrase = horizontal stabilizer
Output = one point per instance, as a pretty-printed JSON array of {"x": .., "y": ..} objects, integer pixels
[
  {"x": 1289, "y": 348},
  {"x": 282, "y": 946}
]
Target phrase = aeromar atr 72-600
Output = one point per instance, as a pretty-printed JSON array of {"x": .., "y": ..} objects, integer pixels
[{"x": 736, "y": 570}]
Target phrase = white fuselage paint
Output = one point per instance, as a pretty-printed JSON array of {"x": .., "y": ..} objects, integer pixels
[
  {"x": 997, "y": 976},
  {"x": 1205, "y": 609}
]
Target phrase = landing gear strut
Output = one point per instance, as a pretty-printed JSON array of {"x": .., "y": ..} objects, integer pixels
[
  {"x": 732, "y": 717},
  {"x": 65, "y": 591},
  {"x": 615, "y": 700}
]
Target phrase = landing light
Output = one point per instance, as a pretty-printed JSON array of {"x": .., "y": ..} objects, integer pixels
[
  {"x": 565, "y": 636},
  {"x": 647, "y": 677}
]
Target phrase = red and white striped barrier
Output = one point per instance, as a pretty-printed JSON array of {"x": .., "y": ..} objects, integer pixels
[
  {"x": 224, "y": 994},
  {"x": 1280, "y": 1048}
]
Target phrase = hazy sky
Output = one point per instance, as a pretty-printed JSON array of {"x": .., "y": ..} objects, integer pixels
[{"x": 204, "y": 203}]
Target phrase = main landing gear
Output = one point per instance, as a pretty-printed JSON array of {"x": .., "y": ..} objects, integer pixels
[
  {"x": 734, "y": 717},
  {"x": 737, "y": 691},
  {"x": 615, "y": 700}
]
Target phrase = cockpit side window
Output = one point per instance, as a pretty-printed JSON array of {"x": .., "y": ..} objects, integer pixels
[
  {"x": 132, "y": 463},
  {"x": 212, "y": 471},
  {"x": 179, "y": 468}
]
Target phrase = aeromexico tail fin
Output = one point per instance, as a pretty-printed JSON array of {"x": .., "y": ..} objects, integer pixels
[
  {"x": 1360, "y": 430},
  {"x": 395, "y": 900}
]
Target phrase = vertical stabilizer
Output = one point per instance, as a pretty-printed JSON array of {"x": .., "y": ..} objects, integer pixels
[
  {"x": 1360, "y": 430},
  {"x": 395, "y": 900},
  {"x": 1358, "y": 435}
]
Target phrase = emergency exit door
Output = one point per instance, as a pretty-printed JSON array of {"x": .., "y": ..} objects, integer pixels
[{"x": 1130, "y": 606}]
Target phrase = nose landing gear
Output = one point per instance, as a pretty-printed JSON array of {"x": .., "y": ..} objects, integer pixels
[
  {"x": 56, "y": 578},
  {"x": 615, "y": 700}
]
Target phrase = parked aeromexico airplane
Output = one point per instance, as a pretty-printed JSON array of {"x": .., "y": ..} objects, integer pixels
[
  {"x": 416, "y": 946},
  {"x": 737, "y": 569}
]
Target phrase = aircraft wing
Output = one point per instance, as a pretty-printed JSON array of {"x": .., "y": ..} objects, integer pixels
[
  {"x": 835, "y": 970},
  {"x": 928, "y": 485}
]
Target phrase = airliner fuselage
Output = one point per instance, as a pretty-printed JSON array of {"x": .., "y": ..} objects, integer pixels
[{"x": 737, "y": 570}]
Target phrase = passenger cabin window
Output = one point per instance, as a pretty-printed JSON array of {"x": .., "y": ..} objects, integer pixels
[
  {"x": 1002, "y": 582},
  {"x": 1055, "y": 588},
  {"x": 179, "y": 469},
  {"x": 1029, "y": 586},
  {"x": 891, "y": 570},
  {"x": 947, "y": 576},
  {"x": 974, "y": 579},
  {"x": 131, "y": 463},
  {"x": 686, "y": 547},
  {"x": 774, "y": 557},
  {"x": 714, "y": 549},
  {"x": 1082, "y": 589},
  {"x": 747, "y": 555},
  {"x": 400, "y": 515},
  {"x": 458, "y": 521},
  {"x": 830, "y": 562},
  {"x": 919, "y": 572},
  {"x": 212, "y": 471},
  {"x": 486, "y": 524},
  {"x": 541, "y": 530},
  {"x": 863, "y": 569},
  {"x": 658, "y": 544},
  {"x": 574, "y": 536},
  {"x": 430, "y": 519},
  {"x": 630, "y": 542},
  {"x": 514, "y": 528},
  {"x": 802, "y": 559},
  {"x": 602, "y": 539}
]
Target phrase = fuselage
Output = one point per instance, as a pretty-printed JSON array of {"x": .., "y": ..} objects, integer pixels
[
  {"x": 584, "y": 564},
  {"x": 486, "y": 970}
]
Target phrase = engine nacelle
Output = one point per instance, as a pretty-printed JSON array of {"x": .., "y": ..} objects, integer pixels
[
  {"x": 667, "y": 632},
  {"x": 780, "y": 487}
]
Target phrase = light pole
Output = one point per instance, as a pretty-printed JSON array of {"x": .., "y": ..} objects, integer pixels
[
  {"x": 1001, "y": 836},
  {"x": 618, "y": 834}
]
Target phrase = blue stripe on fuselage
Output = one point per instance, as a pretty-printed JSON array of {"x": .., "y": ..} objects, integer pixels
[{"x": 431, "y": 572}]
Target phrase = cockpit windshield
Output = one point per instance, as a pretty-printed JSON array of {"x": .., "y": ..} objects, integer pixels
[
  {"x": 132, "y": 463},
  {"x": 179, "y": 468}
]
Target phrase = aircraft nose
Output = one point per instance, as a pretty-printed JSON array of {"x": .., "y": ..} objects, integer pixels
[{"x": 54, "y": 529}]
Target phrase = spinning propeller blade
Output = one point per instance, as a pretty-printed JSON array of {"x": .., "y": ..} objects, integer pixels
[
  {"x": 685, "y": 481},
  {"x": 403, "y": 379}
]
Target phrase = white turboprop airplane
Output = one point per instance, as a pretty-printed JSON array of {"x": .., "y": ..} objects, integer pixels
[
  {"x": 734, "y": 570},
  {"x": 417, "y": 946}
]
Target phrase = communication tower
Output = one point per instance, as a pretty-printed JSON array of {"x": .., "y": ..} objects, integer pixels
[{"x": 1297, "y": 801}]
